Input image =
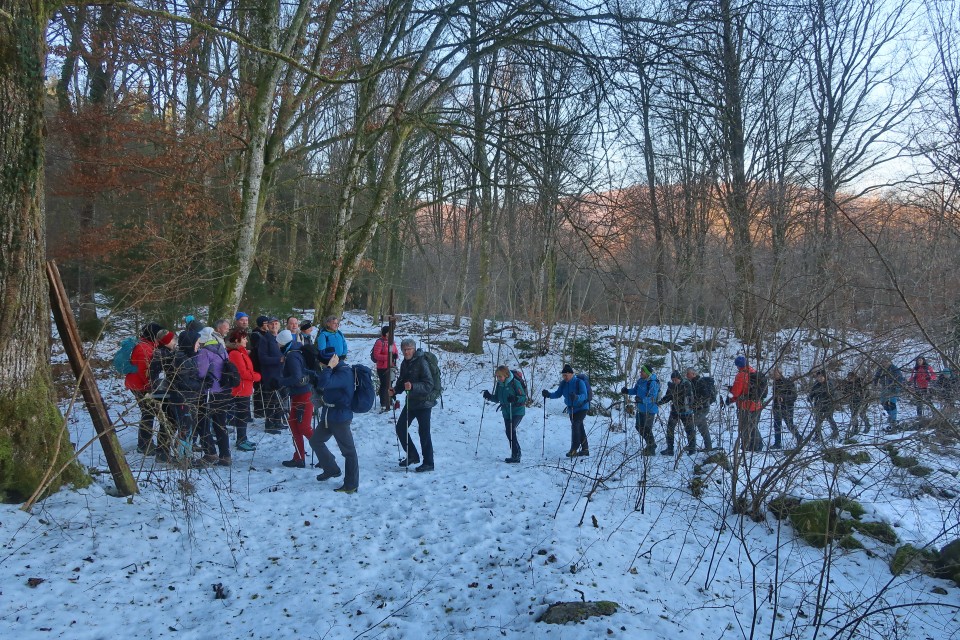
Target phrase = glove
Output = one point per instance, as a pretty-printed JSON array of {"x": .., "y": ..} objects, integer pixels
[
  {"x": 546, "y": 394},
  {"x": 487, "y": 395},
  {"x": 511, "y": 399},
  {"x": 624, "y": 390}
]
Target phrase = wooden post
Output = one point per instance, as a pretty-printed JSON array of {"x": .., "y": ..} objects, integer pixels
[
  {"x": 393, "y": 328},
  {"x": 67, "y": 326}
]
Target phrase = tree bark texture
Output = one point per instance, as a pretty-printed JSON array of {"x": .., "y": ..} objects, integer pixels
[{"x": 33, "y": 437}]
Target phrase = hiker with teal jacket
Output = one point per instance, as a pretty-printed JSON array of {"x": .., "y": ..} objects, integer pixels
[{"x": 512, "y": 396}]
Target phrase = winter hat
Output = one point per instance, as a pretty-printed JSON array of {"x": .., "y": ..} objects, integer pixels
[
  {"x": 675, "y": 374},
  {"x": 208, "y": 336},
  {"x": 566, "y": 369},
  {"x": 740, "y": 362},
  {"x": 284, "y": 338},
  {"x": 645, "y": 369},
  {"x": 151, "y": 331},
  {"x": 187, "y": 319},
  {"x": 240, "y": 314},
  {"x": 326, "y": 354},
  {"x": 261, "y": 320},
  {"x": 195, "y": 326},
  {"x": 164, "y": 337},
  {"x": 305, "y": 326},
  {"x": 187, "y": 340}
]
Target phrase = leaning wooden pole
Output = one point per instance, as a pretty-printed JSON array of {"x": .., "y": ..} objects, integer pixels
[{"x": 67, "y": 326}]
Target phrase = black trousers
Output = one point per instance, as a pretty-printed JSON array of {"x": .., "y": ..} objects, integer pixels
[{"x": 422, "y": 416}]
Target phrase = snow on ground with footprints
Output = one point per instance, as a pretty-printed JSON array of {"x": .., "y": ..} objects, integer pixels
[{"x": 478, "y": 548}]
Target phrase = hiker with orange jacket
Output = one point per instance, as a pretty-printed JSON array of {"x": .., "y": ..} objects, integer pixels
[
  {"x": 138, "y": 383},
  {"x": 749, "y": 401}
]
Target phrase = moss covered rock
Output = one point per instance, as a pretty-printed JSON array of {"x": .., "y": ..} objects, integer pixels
[
  {"x": 564, "y": 612},
  {"x": 948, "y": 565},
  {"x": 909, "y": 558},
  {"x": 880, "y": 531}
]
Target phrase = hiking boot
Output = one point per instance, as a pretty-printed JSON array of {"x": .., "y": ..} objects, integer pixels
[
  {"x": 246, "y": 445},
  {"x": 584, "y": 453},
  {"x": 424, "y": 467},
  {"x": 273, "y": 432},
  {"x": 225, "y": 461},
  {"x": 572, "y": 453},
  {"x": 211, "y": 458},
  {"x": 326, "y": 475},
  {"x": 667, "y": 452},
  {"x": 776, "y": 446},
  {"x": 346, "y": 489},
  {"x": 649, "y": 450},
  {"x": 512, "y": 460},
  {"x": 691, "y": 451},
  {"x": 412, "y": 461},
  {"x": 294, "y": 464}
]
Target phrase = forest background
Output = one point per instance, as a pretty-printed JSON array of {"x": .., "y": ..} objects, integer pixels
[{"x": 753, "y": 165}]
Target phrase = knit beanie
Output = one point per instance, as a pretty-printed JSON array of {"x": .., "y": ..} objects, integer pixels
[
  {"x": 566, "y": 369},
  {"x": 740, "y": 362},
  {"x": 645, "y": 369},
  {"x": 284, "y": 338},
  {"x": 165, "y": 337}
]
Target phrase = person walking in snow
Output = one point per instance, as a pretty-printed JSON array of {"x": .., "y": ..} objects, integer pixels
[
  {"x": 921, "y": 380},
  {"x": 704, "y": 394},
  {"x": 749, "y": 401},
  {"x": 646, "y": 392},
  {"x": 573, "y": 390},
  {"x": 138, "y": 383},
  {"x": 784, "y": 404},
  {"x": 889, "y": 379},
  {"x": 384, "y": 355},
  {"x": 298, "y": 381},
  {"x": 823, "y": 403},
  {"x": 853, "y": 391},
  {"x": 336, "y": 380},
  {"x": 680, "y": 396},
  {"x": 416, "y": 381},
  {"x": 510, "y": 393}
]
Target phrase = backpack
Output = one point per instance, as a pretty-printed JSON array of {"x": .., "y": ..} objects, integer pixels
[
  {"x": 230, "y": 375},
  {"x": 121, "y": 359},
  {"x": 586, "y": 382},
  {"x": 434, "y": 365},
  {"x": 311, "y": 356},
  {"x": 757, "y": 386},
  {"x": 518, "y": 376},
  {"x": 363, "y": 392},
  {"x": 707, "y": 389}
]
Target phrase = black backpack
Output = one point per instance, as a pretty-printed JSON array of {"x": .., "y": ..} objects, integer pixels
[
  {"x": 757, "y": 386},
  {"x": 705, "y": 391},
  {"x": 230, "y": 376},
  {"x": 311, "y": 356}
]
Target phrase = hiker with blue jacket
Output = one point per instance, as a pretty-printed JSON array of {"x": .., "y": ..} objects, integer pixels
[
  {"x": 298, "y": 381},
  {"x": 336, "y": 380},
  {"x": 512, "y": 396},
  {"x": 645, "y": 393},
  {"x": 576, "y": 398},
  {"x": 331, "y": 336}
]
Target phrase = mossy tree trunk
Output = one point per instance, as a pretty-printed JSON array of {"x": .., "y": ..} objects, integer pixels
[{"x": 33, "y": 438}]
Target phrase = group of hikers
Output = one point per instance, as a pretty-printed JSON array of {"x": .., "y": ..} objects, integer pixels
[
  {"x": 208, "y": 378},
  {"x": 205, "y": 379},
  {"x": 691, "y": 394}
]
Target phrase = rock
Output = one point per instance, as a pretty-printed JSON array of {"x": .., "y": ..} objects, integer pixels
[{"x": 564, "y": 612}]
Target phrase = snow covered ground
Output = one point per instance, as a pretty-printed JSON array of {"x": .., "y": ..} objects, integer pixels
[{"x": 476, "y": 549}]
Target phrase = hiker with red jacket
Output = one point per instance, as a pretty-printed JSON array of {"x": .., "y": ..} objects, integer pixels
[
  {"x": 384, "y": 354},
  {"x": 138, "y": 383},
  {"x": 920, "y": 379},
  {"x": 240, "y": 409},
  {"x": 749, "y": 406}
]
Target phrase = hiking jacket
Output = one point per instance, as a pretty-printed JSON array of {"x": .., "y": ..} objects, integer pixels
[
  {"x": 239, "y": 357},
  {"x": 210, "y": 361},
  {"x": 574, "y": 394},
  {"x": 333, "y": 339},
  {"x": 784, "y": 393},
  {"x": 821, "y": 396},
  {"x": 270, "y": 358},
  {"x": 296, "y": 376},
  {"x": 380, "y": 351},
  {"x": 645, "y": 393},
  {"x": 922, "y": 376},
  {"x": 140, "y": 357},
  {"x": 338, "y": 386},
  {"x": 741, "y": 385},
  {"x": 416, "y": 371},
  {"x": 680, "y": 397},
  {"x": 510, "y": 395}
]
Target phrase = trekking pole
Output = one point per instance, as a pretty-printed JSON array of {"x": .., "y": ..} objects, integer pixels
[
  {"x": 393, "y": 407},
  {"x": 543, "y": 439},
  {"x": 483, "y": 409},
  {"x": 406, "y": 429}
]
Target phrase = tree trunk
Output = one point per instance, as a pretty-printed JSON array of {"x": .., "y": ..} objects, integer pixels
[{"x": 33, "y": 436}]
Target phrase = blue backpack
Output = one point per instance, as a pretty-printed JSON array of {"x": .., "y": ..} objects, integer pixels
[
  {"x": 121, "y": 359},
  {"x": 586, "y": 383},
  {"x": 363, "y": 392}
]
